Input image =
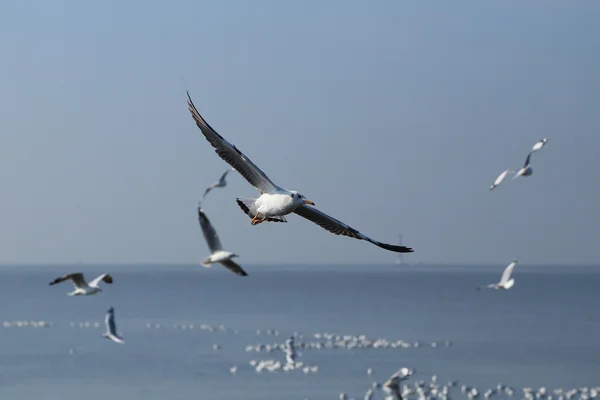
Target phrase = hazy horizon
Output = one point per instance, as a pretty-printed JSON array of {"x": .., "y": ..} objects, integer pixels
[{"x": 392, "y": 117}]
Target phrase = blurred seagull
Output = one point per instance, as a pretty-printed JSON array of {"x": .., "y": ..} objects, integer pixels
[
  {"x": 221, "y": 183},
  {"x": 218, "y": 255},
  {"x": 82, "y": 288},
  {"x": 275, "y": 202},
  {"x": 111, "y": 328},
  {"x": 506, "y": 282},
  {"x": 392, "y": 385}
]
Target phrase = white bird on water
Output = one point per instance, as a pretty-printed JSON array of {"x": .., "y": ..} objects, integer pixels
[
  {"x": 526, "y": 170},
  {"x": 111, "y": 327},
  {"x": 219, "y": 184},
  {"x": 275, "y": 202},
  {"x": 506, "y": 282},
  {"x": 218, "y": 255},
  {"x": 82, "y": 288},
  {"x": 392, "y": 385},
  {"x": 500, "y": 178},
  {"x": 539, "y": 144}
]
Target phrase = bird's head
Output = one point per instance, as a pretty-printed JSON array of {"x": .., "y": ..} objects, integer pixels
[
  {"x": 298, "y": 198},
  {"x": 234, "y": 255}
]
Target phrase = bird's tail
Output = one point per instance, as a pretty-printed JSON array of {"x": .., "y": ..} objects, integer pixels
[{"x": 247, "y": 205}]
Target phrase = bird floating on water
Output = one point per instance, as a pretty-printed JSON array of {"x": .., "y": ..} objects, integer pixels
[
  {"x": 506, "y": 282},
  {"x": 218, "y": 255},
  {"x": 82, "y": 288},
  {"x": 111, "y": 327},
  {"x": 275, "y": 202}
]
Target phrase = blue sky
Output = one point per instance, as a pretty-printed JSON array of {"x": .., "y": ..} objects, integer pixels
[{"x": 394, "y": 117}]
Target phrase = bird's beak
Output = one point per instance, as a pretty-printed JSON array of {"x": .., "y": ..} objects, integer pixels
[{"x": 309, "y": 202}]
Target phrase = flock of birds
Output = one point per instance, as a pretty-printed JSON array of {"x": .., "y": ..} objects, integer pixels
[{"x": 272, "y": 205}]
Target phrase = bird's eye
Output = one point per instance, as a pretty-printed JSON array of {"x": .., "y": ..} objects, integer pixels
[{"x": 292, "y": 195}]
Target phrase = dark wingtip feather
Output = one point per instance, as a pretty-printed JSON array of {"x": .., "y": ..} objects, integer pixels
[{"x": 397, "y": 249}]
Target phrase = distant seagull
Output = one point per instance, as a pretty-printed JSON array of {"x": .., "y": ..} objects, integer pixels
[
  {"x": 500, "y": 178},
  {"x": 221, "y": 183},
  {"x": 82, "y": 288},
  {"x": 526, "y": 170},
  {"x": 111, "y": 328},
  {"x": 392, "y": 385},
  {"x": 539, "y": 144},
  {"x": 290, "y": 351},
  {"x": 506, "y": 282},
  {"x": 218, "y": 255},
  {"x": 275, "y": 202}
]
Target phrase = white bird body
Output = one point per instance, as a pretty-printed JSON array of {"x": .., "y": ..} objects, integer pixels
[
  {"x": 526, "y": 170},
  {"x": 218, "y": 256},
  {"x": 83, "y": 288},
  {"x": 506, "y": 282},
  {"x": 274, "y": 202}
]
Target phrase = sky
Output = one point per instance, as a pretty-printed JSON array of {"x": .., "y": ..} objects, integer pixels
[{"x": 394, "y": 117}]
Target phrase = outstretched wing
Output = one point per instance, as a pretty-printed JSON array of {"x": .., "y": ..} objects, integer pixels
[
  {"x": 208, "y": 189},
  {"x": 233, "y": 267},
  {"x": 231, "y": 155},
  {"x": 76, "y": 277},
  {"x": 222, "y": 178},
  {"x": 339, "y": 228},
  {"x": 527, "y": 159},
  {"x": 507, "y": 272},
  {"x": 109, "y": 320},
  {"x": 210, "y": 235},
  {"x": 104, "y": 277}
]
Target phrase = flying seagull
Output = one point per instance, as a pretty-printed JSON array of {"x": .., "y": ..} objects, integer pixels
[
  {"x": 500, "y": 178},
  {"x": 221, "y": 183},
  {"x": 82, "y": 288},
  {"x": 275, "y": 202},
  {"x": 506, "y": 282},
  {"x": 539, "y": 144},
  {"x": 218, "y": 255},
  {"x": 526, "y": 170},
  {"x": 111, "y": 328}
]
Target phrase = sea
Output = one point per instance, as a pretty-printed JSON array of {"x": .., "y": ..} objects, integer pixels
[{"x": 186, "y": 326}]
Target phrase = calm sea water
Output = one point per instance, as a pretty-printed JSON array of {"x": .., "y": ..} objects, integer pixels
[{"x": 545, "y": 331}]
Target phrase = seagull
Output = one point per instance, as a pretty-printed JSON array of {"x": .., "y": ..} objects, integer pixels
[
  {"x": 500, "y": 178},
  {"x": 82, "y": 288},
  {"x": 111, "y": 328},
  {"x": 221, "y": 183},
  {"x": 392, "y": 385},
  {"x": 506, "y": 282},
  {"x": 275, "y": 202},
  {"x": 539, "y": 144},
  {"x": 526, "y": 170},
  {"x": 218, "y": 255}
]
